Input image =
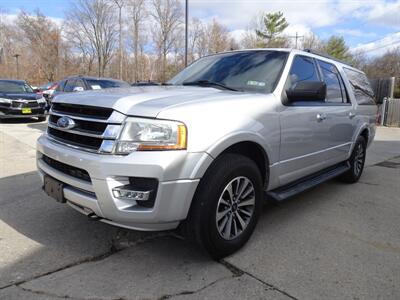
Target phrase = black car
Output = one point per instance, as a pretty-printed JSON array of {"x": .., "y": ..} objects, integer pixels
[
  {"x": 17, "y": 99},
  {"x": 85, "y": 83}
]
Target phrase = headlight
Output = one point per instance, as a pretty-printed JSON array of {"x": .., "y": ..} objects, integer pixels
[
  {"x": 3, "y": 100},
  {"x": 150, "y": 134},
  {"x": 41, "y": 100}
]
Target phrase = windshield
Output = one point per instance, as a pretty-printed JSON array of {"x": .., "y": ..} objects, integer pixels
[
  {"x": 97, "y": 84},
  {"x": 255, "y": 71},
  {"x": 14, "y": 87}
]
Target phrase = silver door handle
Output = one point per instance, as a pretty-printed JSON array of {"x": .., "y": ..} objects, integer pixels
[
  {"x": 321, "y": 117},
  {"x": 352, "y": 115}
]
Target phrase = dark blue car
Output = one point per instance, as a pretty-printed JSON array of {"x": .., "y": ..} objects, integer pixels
[{"x": 18, "y": 100}]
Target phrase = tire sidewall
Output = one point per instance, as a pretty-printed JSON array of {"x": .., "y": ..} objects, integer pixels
[
  {"x": 360, "y": 140},
  {"x": 216, "y": 183}
]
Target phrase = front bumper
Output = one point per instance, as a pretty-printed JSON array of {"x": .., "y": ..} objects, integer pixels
[
  {"x": 13, "y": 112},
  {"x": 178, "y": 174}
]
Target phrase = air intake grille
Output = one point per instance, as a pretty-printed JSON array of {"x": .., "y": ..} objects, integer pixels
[
  {"x": 67, "y": 169},
  {"x": 94, "y": 128}
]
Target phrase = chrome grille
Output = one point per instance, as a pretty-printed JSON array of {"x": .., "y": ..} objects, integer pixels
[
  {"x": 95, "y": 129},
  {"x": 24, "y": 104}
]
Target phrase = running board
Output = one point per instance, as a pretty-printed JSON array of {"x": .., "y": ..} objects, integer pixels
[{"x": 307, "y": 183}]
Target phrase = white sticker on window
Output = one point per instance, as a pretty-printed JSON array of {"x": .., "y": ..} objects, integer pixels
[
  {"x": 96, "y": 87},
  {"x": 255, "y": 83}
]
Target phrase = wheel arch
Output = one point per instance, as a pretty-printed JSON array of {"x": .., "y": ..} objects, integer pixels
[{"x": 247, "y": 144}]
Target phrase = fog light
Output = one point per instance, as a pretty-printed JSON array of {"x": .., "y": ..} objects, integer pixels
[{"x": 125, "y": 193}]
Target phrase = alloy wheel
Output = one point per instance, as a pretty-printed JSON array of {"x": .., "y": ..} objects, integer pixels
[{"x": 235, "y": 208}]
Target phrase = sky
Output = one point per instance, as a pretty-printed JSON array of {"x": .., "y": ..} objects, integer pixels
[{"x": 369, "y": 25}]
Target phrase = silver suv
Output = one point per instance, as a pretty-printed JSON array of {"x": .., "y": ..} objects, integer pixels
[{"x": 205, "y": 150}]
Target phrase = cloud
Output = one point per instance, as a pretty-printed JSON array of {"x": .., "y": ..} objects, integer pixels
[
  {"x": 379, "y": 47},
  {"x": 355, "y": 33},
  {"x": 9, "y": 18},
  {"x": 385, "y": 13}
]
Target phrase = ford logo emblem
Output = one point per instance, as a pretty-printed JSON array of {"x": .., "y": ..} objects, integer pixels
[{"x": 65, "y": 123}]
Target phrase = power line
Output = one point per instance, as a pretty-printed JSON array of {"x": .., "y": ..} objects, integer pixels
[{"x": 382, "y": 46}]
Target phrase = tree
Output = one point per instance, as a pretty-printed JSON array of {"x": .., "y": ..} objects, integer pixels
[
  {"x": 167, "y": 15},
  {"x": 312, "y": 41},
  {"x": 137, "y": 13},
  {"x": 218, "y": 37},
  {"x": 337, "y": 48},
  {"x": 93, "y": 23},
  {"x": 273, "y": 25},
  {"x": 43, "y": 38},
  {"x": 387, "y": 65}
]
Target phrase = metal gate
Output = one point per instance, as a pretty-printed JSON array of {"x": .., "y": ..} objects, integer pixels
[{"x": 391, "y": 112}]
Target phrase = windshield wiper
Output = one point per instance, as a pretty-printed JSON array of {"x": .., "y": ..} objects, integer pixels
[{"x": 209, "y": 83}]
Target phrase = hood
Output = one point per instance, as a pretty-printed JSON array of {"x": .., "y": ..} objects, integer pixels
[
  {"x": 23, "y": 96},
  {"x": 147, "y": 101}
]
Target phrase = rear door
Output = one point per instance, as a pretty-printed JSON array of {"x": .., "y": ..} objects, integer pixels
[{"x": 339, "y": 113}]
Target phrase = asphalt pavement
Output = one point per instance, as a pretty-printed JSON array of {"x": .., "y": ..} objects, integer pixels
[{"x": 337, "y": 241}]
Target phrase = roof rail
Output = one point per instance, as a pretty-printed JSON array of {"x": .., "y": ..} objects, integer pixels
[{"x": 322, "y": 54}]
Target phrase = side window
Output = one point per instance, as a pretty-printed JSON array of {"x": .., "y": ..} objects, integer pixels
[
  {"x": 80, "y": 83},
  {"x": 361, "y": 87},
  {"x": 60, "y": 86},
  {"x": 334, "y": 88},
  {"x": 303, "y": 69},
  {"x": 69, "y": 86}
]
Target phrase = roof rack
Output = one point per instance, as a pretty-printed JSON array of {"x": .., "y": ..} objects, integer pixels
[{"x": 326, "y": 56}]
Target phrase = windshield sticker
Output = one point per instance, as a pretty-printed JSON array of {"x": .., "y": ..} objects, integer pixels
[
  {"x": 96, "y": 87},
  {"x": 255, "y": 83}
]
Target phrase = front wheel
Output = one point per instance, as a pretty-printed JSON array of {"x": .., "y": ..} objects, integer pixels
[
  {"x": 356, "y": 161},
  {"x": 226, "y": 206}
]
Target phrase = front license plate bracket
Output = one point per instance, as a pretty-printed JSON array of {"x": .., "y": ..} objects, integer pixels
[{"x": 54, "y": 189}]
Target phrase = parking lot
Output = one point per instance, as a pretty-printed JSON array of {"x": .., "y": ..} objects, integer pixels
[{"x": 336, "y": 241}]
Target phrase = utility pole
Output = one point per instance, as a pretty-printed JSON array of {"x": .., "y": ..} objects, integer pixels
[
  {"x": 186, "y": 31},
  {"x": 296, "y": 37},
  {"x": 120, "y": 4},
  {"x": 17, "y": 63}
]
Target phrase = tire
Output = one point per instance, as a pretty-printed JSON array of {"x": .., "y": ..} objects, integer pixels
[
  {"x": 212, "y": 194},
  {"x": 41, "y": 119},
  {"x": 356, "y": 162}
]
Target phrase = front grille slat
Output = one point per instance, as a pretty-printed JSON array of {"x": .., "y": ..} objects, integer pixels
[
  {"x": 67, "y": 169},
  {"x": 91, "y": 128},
  {"x": 85, "y": 111},
  {"x": 19, "y": 104},
  {"x": 75, "y": 139}
]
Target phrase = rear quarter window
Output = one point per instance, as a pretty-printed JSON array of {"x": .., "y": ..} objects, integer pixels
[{"x": 361, "y": 87}]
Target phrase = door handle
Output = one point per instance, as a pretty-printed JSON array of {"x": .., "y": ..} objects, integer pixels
[
  {"x": 321, "y": 117},
  {"x": 351, "y": 115}
]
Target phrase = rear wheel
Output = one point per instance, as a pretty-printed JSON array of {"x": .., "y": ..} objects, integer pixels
[
  {"x": 226, "y": 206},
  {"x": 356, "y": 161}
]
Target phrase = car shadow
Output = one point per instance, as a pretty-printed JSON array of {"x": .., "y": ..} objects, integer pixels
[{"x": 18, "y": 120}]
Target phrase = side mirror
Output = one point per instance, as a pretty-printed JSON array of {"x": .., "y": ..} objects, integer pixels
[
  {"x": 307, "y": 91},
  {"x": 78, "y": 89}
]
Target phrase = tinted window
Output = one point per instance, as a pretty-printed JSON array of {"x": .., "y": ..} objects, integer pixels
[
  {"x": 69, "y": 86},
  {"x": 256, "y": 71},
  {"x": 303, "y": 69},
  {"x": 331, "y": 77},
  {"x": 97, "y": 84},
  {"x": 14, "y": 87},
  {"x": 361, "y": 87},
  {"x": 80, "y": 83},
  {"x": 60, "y": 86}
]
